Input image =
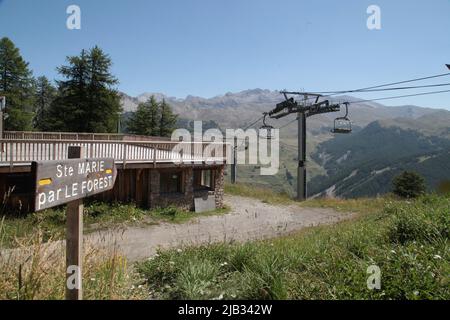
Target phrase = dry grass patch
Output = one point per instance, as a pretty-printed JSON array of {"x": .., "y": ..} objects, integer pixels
[{"x": 36, "y": 271}]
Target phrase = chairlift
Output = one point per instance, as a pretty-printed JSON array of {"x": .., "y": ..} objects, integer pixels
[
  {"x": 343, "y": 124},
  {"x": 2, "y": 103},
  {"x": 265, "y": 131}
]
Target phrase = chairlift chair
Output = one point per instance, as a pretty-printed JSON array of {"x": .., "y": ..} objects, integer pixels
[
  {"x": 2, "y": 103},
  {"x": 343, "y": 124},
  {"x": 266, "y": 128}
]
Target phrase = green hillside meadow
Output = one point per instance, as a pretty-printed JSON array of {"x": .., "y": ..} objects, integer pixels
[{"x": 407, "y": 240}]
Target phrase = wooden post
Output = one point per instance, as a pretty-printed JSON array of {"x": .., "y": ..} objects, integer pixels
[{"x": 74, "y": 240}]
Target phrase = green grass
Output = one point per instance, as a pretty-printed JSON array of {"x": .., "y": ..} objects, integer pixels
[
  {"x": 360, "y": 205},
  {"x": 97, "y": 216},
  {"x": 174, "y": 215},
  {"x": 407, "y": 240},
  {"x": 263, "y": 194}
]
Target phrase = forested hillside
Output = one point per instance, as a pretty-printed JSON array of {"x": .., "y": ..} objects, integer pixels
[
  {"x": 364, "y": 163},
  {"x": 385, "y": 141}
]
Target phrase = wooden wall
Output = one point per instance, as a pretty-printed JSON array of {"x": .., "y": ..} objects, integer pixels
[{"x": 132, "y": 185}]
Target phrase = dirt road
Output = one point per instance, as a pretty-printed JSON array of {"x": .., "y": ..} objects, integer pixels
[{"x": 248, "y": 219}]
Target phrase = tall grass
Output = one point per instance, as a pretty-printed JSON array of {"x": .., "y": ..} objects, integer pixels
[
  {"x": 36, "y": 270},
  {"x": 409, "y": 241}
]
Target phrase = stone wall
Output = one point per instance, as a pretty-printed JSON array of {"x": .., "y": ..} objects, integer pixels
[
  {"x": 153, "y": 194},
  {"x": 183, "y": 200},
  {"x": 188, "y": 180},
  {"x": 219, "y": 183}
]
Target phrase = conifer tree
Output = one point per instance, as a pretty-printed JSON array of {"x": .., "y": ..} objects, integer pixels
[
  {"x": 87, "y": 101},
  {"x": 16, "y": 83},
  {"x": 146, "y": 119},
  {"x": 168, "y": 120},
  {"x": 45, "y": 93}
]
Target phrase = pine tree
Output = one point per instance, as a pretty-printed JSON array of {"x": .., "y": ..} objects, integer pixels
[
  {"x": 103, "y": 102},
  {"x": 146, "y": 119},
  {"x": 168, "y": 120},
  {"x": 155, "y": 115},
  {"x": 45, "y": 93},
  {"x": 86, "y": 99},
  {"x": 16, "y": 83},
  {"x": 67, "y": 111},
  {"x": 138, "y": 122}
]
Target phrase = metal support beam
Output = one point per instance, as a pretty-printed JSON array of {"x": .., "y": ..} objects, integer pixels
[
  {"x": 301, "y": 168},
  {"x": 234, "y": 162}
]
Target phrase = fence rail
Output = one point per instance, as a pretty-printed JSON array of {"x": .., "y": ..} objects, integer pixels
[
  {"x": 19, "y": 151},
  {"x": 34, "y": 135}
]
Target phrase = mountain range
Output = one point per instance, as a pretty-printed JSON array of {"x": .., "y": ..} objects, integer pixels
[{"x": 385, "y": 141}]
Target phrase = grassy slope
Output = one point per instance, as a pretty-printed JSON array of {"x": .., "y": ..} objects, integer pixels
[{"x": 408, "y": 240}]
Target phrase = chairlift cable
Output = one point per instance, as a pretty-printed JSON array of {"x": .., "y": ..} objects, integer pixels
[
  {"x": 285, "y": 125},
  {"x": 385, "y": 89},
  {"x": 402, "y": 96},
  {"x": 253, "y": 123},
  {"x": 334, "y": 93}
]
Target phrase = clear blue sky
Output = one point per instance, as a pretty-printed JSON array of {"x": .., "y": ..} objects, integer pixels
[{"x": 210, "y": 47}]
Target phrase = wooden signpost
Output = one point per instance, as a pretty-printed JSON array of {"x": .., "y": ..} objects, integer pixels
[{"x": 69, "y": 181}]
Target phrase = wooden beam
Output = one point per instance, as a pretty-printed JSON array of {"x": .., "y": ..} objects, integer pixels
[{"x": 74, "y": 240}]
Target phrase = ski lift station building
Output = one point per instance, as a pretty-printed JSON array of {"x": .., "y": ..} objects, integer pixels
[{"x": 150, "y": 171}]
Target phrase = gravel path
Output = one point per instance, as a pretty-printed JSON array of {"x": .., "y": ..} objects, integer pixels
[{"x": 249, "y": 219}]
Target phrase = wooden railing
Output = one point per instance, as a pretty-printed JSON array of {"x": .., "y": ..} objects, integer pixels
[
  {"x": 20, "y": 151},
  {"x": 33, "y": 135}
]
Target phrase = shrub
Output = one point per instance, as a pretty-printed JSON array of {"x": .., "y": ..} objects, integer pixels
[{"x": 409, "y": 184}]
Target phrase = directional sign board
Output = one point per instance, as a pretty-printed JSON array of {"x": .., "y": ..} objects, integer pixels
[{"x": 61, "y": 181}]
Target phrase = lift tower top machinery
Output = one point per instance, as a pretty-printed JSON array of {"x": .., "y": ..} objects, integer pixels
[{"x": 308, "y": 106}]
